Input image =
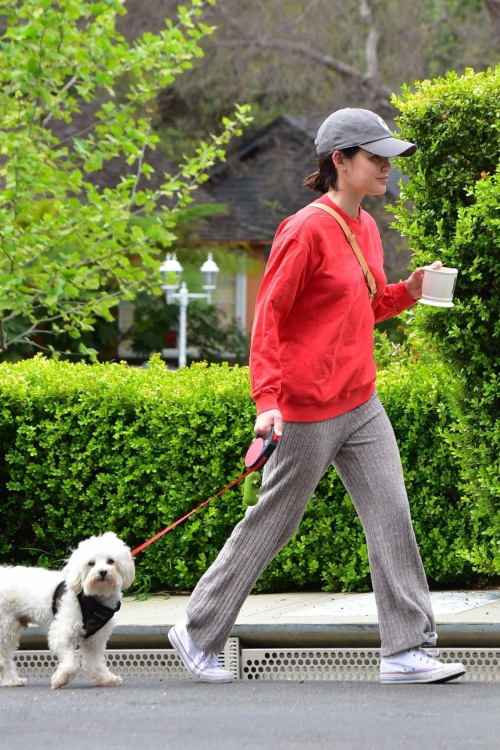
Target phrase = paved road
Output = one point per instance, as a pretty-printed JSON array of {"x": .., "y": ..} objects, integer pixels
[{"x": 151, "y": 714}]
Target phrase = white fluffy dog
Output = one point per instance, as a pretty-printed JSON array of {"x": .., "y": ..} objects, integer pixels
[{"x": 75, "y": 605}]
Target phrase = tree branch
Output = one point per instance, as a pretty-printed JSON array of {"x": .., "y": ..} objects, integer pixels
[
  {"x": 67, "y": 86},
  {"x": 372, "y": 40},
  {"x": 306, "y": 13},
  {"x": 373, "y": 89},
  {"x": 36, "y": 297},
  {"x": 3, "y": 338},
  {"x": 369, "y": 82},
  {"x": 493, "y": 8},
  {"x": 75, "y": 309},
  {"x": 344, "y": 70},
  {"x": 30, "y": 342},
  {"x": 137, "y": 177},
  {"x": 9, "y": 258}
]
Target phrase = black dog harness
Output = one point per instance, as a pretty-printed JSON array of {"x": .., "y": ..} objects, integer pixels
[{"x": 95, "y": 615}]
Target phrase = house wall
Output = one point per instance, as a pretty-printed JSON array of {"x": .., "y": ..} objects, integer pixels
[{"x": 253, "y": 284}]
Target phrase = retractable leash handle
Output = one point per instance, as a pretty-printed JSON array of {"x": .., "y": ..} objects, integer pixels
[
  {"x": 262, "y": 447},
  {"x": 256, "y": 456}
]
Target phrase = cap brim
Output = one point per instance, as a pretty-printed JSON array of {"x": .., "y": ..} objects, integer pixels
[{"x": 390, "y": 147}]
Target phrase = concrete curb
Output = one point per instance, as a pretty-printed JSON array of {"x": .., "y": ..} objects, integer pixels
[
  {"x": 456, "y": 635},
  {"x": 314, "y": 619}
]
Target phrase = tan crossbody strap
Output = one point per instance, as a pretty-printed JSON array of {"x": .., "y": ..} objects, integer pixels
[{"x": 370, "y": 281}]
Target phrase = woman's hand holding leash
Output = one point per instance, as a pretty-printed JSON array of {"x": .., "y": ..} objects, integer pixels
[
  {"x": 266, "y": 420},
  {"x": 414, "y": 283}
]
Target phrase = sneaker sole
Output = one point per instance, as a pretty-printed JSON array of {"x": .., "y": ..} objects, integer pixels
[
  {"x": 192, "y": 668},
  {"x": 424, "y": 677}
]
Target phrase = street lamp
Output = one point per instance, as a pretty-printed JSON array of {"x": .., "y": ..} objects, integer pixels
[
  {"x": 171, "y": 271},
  {"x": 209, "y": 271}
]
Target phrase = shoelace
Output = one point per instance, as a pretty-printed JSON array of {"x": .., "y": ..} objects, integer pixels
[
  {"x": 424, "y": 653},
  {"x": 419, "y": 654}
]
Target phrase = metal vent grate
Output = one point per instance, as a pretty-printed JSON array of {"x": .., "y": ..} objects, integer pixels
[
  {"x": 351, "y": 663},
  {"x": 267, "y": 664},
  {"x": 231, "y": 657},
  {"x": 130, "y": 662}
]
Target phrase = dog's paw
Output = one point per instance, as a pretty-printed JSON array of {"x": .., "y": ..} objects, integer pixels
[
  {"x": 109, "y": 680},
  {"x": 58, "y": 681},
  {"x": 13, "y": 682}
]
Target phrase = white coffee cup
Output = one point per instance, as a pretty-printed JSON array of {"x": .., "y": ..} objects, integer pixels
[{"x": 438, "y": 286}]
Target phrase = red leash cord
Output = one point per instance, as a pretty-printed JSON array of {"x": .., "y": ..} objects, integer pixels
[{"x": 173, "y": 525}]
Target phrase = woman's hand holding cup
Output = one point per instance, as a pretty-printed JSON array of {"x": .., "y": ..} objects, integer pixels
[{"x": 414, "y": 283}]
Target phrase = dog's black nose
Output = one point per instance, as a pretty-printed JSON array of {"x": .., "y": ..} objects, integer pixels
[{"x": 103, "y": 574}]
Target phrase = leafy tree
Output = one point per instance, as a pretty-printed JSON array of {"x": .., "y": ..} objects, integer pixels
[{"x": 68, "y": 248}]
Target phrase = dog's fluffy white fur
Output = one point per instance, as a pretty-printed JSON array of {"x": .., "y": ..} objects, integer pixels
[{"x": 101, "y": 566}]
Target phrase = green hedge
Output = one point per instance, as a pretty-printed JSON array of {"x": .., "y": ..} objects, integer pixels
[
  {"x": 87, "y": 448},
  {"x": 450, "y": 209}
]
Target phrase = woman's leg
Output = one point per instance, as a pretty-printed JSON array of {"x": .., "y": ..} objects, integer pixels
[
  {"x": 370, "y": 468},
  {"x": 290, "y": 478}
]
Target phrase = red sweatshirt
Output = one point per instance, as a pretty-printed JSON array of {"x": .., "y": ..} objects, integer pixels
[{"x": 312, "y": 339}]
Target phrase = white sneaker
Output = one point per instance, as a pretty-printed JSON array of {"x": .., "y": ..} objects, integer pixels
[
  {"x": 204, "y": 666},
  {"x": 417, "y": 665}
]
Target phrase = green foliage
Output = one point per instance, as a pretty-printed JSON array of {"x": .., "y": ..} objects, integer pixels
[
  {"x": 216, "y": 337},
  {"x": 69, "y": 250},
  {"x": 87, "y": 448},
  {"x": 454, "y": 215},
  {"x": 207, "y": 329}
]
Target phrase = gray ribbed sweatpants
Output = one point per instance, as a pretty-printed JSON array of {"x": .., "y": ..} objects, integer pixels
[{"x": 362, "y": 447}]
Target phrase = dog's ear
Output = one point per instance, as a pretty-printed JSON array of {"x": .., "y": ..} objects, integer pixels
[
  {"x": 127, "y": 569},
  {"x": 72, "y": 573}
]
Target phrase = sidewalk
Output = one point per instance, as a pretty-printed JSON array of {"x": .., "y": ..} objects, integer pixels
[{"x": 464, "y": 619}]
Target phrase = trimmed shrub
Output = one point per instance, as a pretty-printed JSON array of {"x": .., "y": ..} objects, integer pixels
[
  {"x": 89, "y": 448},
  {"x": 454, "y": 215}
]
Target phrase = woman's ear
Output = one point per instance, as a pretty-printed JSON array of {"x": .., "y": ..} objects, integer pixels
[{"x": 338, "y": 159}]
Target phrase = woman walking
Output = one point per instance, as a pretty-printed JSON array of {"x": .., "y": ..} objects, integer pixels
[{"x": 313, "y": 381}]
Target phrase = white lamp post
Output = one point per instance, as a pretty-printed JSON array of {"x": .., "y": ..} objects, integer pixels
[{"x": 171, "y": 270}]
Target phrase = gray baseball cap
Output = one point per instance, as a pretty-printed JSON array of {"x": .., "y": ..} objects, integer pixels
[{"x": 360, "y": 127}]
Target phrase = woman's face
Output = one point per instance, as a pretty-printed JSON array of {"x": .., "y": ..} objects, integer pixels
[{"x": 365, "y": 173}]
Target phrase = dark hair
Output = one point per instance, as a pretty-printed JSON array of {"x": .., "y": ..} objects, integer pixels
[{"x": 326, "y": 176}]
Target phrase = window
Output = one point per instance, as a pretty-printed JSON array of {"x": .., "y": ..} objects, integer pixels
[{"x": 231, "y": 297}]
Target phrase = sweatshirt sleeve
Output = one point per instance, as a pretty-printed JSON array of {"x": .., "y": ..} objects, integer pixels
[
  {"x": 288, "y": 271},
  {"x": 393, "y": 301}
]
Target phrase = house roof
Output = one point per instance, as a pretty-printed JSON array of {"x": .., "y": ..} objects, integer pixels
[
  {"x": 260, "y": 182},
  {"x": 308, "y": 125}
]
